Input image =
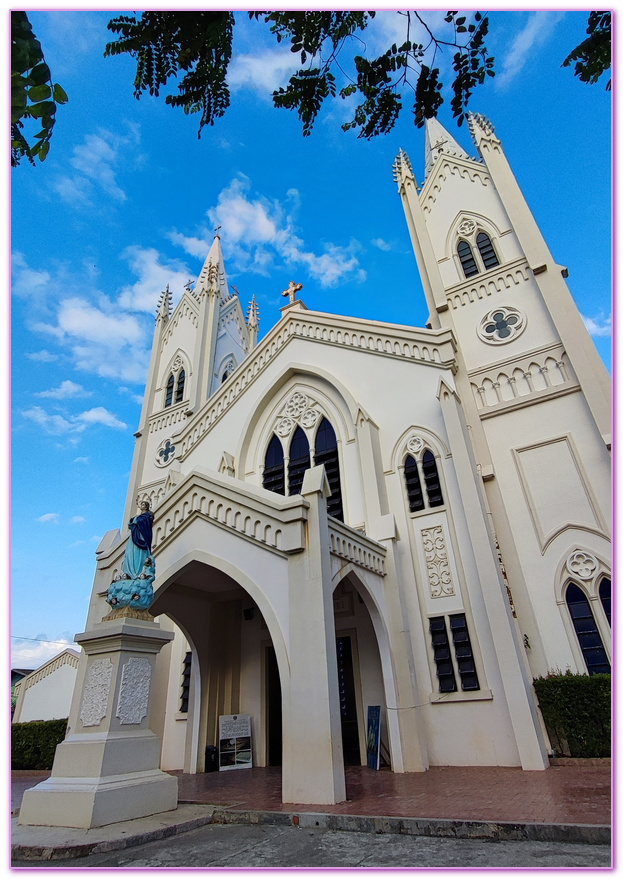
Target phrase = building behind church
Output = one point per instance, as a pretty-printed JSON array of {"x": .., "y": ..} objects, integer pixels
[{"x": 352, "y": 513}]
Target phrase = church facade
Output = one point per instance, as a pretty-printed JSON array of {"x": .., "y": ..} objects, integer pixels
[{"x": 352, "y": 513}]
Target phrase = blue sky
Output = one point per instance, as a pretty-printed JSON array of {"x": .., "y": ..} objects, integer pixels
[{"x": 126, "y": 203}]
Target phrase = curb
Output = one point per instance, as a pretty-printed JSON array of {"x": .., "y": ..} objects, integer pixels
[
  {"x": 81, "y": 850},
  {"x": 591, "y": 834}
]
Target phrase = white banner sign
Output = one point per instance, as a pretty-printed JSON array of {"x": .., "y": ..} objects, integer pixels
[{"x": 234, "y": 745}]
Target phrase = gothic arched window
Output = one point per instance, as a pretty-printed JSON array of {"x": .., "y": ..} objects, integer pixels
[
  {"x": 299, "y": 461},
  {"x": 604, "y": 594},
  {"x": 431, "y": 479},
  {"x": 467, "y": 259},
  {"x": 179, "y": 391},
  {"x": 274, "y": 474},
  {"x": 414, "y": 487},
  {"x": 169, "y": 396},
  {"x": 587, "y": 632},
  {"x": 487, "y": 252},
  {"x": 326, "y": 453}
]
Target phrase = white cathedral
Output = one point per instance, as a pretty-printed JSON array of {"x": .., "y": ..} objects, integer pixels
[{"x": 352, "y": 513}]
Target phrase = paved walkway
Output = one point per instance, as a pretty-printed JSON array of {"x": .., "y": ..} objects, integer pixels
[
  {"x": 563, "y": 794},
  {"x": 566, "y": 803}
]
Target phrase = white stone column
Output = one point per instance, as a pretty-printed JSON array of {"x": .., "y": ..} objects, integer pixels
[
  {"x": 107, "y": 769},
  {"x": 517, "y": 684},
  {"x": 313, "y": 762}
]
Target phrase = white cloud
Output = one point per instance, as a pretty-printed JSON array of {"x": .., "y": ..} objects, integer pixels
[
  {"x": 49, "y": 517},
  {"x": 381, "y": 244},
  {"x": 34, "y": 653},
  {"x": 58, "y": 425},
  {"x": 65, "y": 390},
  {"x": 27, "y": 282},
  {"x": 100, "y": 415},
  {"x": 599, "y": 325},
  {"x": 76, "y": 191},
  {"x": 153, "y": 276},
  {"x": 43, "y": 356},
  {"x": 82, "y": 460},
  {"x": 258, "y": 231},
  {"x": 536, "y": 32},
  {"x": 77, "y": 520},
  {"x": 263, "y": 72}
]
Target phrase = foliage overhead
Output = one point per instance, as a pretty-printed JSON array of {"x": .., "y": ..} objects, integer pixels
[
  {"x": 196, "y": 49},
  {"x": 33, "y": 94},
  {"x": 166, "y": 43},
  {"x": 592, "y": 57}
]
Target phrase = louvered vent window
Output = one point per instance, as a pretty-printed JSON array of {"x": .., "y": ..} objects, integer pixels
[
  {"x": 169, "y": 397},
  {"x": 186, "y": 682},
  {"x": 326, "y": 453},
  {"x": 414, "y": 487},
  {"x": 441, "y": 651},
  {"x": 299, "y": 461},
  {"x": 463, "y": 652},
  {"x": 587, "y": 632},
  {"x": 431, "y": 479},
  {"x": 179, "y": 391},
  {"x": 467, "y": 259},
  {"x": 487, "y": 252},
  {"x": 274, "y": 475}
]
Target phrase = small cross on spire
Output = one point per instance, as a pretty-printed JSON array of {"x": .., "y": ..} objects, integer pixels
[
  {"x": 292, "y": 291},
  {"x": 217, "y": 231}
]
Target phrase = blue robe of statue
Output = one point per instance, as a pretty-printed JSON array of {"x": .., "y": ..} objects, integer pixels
[{"x": 139, "y": 545}]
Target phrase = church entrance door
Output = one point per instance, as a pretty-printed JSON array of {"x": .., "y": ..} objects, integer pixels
[{"x": 348, "y": 704}]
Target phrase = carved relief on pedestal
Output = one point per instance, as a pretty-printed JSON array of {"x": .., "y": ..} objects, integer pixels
[
  {"x": 134, "y": 690},
  {"x": 96, "y": 692},
  {"x": 437, "y": 563}
]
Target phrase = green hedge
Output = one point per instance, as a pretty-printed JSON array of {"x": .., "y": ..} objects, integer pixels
[
  {"x": 33, "y": 744},
  {"x": 577, "y": 711}
]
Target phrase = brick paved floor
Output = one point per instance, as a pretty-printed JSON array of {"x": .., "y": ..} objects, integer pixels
[{"x": 576, "y": 794}]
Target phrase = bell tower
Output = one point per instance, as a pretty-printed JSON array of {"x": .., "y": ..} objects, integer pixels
[{"x": 533, "y": 391}]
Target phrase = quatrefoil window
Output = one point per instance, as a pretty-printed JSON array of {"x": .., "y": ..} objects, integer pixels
[{"x": 501, "y": 325}]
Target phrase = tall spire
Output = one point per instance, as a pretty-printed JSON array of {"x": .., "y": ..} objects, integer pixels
[
  {"x": 436, "y": 141},
  {"x": 165, "y": 305},
  {"x": 253, "y": 321},
  {"x": 402, "y": 168},
  {"x": 213, "y": 277}
]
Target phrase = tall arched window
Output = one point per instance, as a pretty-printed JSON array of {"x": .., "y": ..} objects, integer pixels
[
  {"x": 179, "y": 391},
  {"x": 604, "y": 595},
  {"x": 431, "y": 479},
  {"x": 274, "y": 475},
  {"x": 299, "y": 461},
  {"x": 467, "y": 259},
  {"x": 326, "y": 453},
  {"x": 586, "y": 630},
  {"x": 169, "y": 396},
  {"x": 414, "y": 487},
  {"x": 487, "y": 252}
]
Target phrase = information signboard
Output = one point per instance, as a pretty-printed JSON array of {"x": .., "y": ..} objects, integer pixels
[{"x": 234, "y": 741}]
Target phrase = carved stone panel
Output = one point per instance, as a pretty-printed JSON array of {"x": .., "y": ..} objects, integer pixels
[
  {"x": 134, "y": 690},
  {"x": 96, "y": 693},
  {"x": 582, "y": 564},
  {"x": 437, "y": 563}
]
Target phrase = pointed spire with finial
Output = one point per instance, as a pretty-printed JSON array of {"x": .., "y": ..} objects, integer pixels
[
  {"x": 402, "y": 169},
  {"x": 253, "y": 321},
  {"x": 437, "y": 141},
  {"x": 165, "y": 305},
  {"x": 213, "y": 278}
]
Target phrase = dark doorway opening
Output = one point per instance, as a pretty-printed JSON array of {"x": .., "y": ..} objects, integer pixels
[
  {"x": 348, "y": 704},
  {"x": 273, "y": 702}
]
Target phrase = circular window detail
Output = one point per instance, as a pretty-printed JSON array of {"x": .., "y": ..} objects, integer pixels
[
  {"x": 296, "y": 405},
  {"x": 466, "y": 227},
  {"x": 165, "y": 453},
  {"x": 501, "y": 325}
]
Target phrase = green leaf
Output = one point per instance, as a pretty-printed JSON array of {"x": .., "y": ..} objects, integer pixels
[
  {"x": 60, "y": 95},
  {"x": 39, "y": 93},
  {"x": 40, "y": 74}
]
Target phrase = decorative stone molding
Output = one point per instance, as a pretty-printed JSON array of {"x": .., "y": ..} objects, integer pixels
[
  {"x": 153, "y": 492},
  {"x": 177, "y": 363},
  {"x": 134, "y": 690},
  {"x": 405, "y": 343},
  {"x": 165, "y": 453},
  {"x": 284, "y": 426},
  {"x": 351, "y": 545},
  {"x": 499, "y": 279},
  {"x": 501, "y": 325},
  {"x": 415, "y": 444},
  {"x": 437, "y": 563},
  {"x": 173, "y": 415},
  {"x": 96, "y": 692},
  {"x": 582, "y": 564},
  {"x": 66, "y": 658},
  {"x": 297, "y": 409},
  {"x": 466, "y": 227},
  {"x": 450, "y": 166},
  {"x": 185, "y": 309}
]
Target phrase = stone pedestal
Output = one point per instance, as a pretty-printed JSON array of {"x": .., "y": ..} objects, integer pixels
[{"x": 107, "y": 769}]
